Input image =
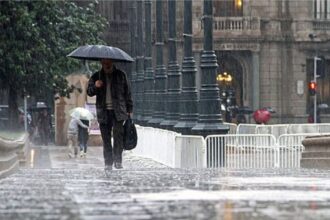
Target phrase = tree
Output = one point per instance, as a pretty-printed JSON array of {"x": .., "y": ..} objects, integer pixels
[{"x": 35, "y": 38}]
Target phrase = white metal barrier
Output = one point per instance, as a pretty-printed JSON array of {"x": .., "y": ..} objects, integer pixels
[
  {"x": 279, "y": 129},
  {"x": 232, "y": 151},
  {"x": 255, "y": 151},
  {"x": 290, "y": 149},
  {"x": 324, "y": 128},
  {"x": 232, "y": 127},
  {"x": 190, "y": 152},
  {"x": 276, "y": 130},
  {"x": 171, "y": 148},
  {"x": 157, "y": 144},
  {"x": 246, "y": 129},
  {"x": 241, "y": 151},
  {"x": 303, "y": 128}
]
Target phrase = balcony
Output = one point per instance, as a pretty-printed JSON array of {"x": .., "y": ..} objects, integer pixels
[
  {"x": 239, "y": 27},
  {"x": 321, "y": 25}
]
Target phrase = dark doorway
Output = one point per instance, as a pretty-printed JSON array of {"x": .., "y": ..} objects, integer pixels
[
  {"x": 231, "y": 66},
  {"x": 230, "y": 82}
]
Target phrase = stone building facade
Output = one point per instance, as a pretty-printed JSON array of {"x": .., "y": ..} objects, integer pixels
[{"x": 266, "y": 45}]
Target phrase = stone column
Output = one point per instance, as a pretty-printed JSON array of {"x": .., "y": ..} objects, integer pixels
[
  {"x": 210, "y": 120},
  {"x": 189, "y": 100},
  {"x": 173, "y": 72},
  {"x": 132, "y": 10},
  {"x": 160, "y": 76},
  {"x": 149, "y": 74},
  {"x": 140, "y": 65},
  {"x": 256, "y": 81}
]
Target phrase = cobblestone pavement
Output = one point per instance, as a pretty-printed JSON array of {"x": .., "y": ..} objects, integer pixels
[{"x": 51, "y": 186}]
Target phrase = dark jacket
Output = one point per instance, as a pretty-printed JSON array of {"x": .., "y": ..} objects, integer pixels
[{"x": 120, "y": 92}]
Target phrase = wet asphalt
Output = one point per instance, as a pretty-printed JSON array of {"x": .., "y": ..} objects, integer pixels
[{"x": 52, "y": 186}]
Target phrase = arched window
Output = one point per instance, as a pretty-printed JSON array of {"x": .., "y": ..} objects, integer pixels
[{"x": 228, "y": 8}]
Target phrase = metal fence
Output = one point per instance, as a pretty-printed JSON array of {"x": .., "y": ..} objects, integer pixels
[
  {"x": 272, "y": 149},
  {"x": 254, "y": 151},
  {"x": 290, "y": 149},
  {"x": 279, "y": 129},
  {"x": 190, "y": 152},
  {"x": 241, "y": 151}
]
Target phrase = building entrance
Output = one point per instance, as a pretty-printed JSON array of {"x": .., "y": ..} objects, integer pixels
[{"x": 230, "y": 81}]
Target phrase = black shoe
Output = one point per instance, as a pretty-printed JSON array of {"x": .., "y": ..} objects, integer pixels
[
  {"x": 107, "y": 168},
  {"x": 118, "y": 165}
]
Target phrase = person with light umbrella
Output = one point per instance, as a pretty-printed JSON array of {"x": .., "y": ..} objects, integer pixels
[{"x": 77, "y": 115}]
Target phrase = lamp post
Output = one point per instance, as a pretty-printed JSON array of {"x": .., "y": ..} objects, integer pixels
[
  {"x": 173, "y": 72},
  {"x": 210, "y": 120},
  {"x": 315, "y": 95},
  {"x": 189, "y": 100},
  {"x": 224, "y": 78},
  {"x": 149, "y": 74},
  {"x": 160, "y": 76},
  {"x": 132, "y": 10},
  {"x": 227, "y": 95},
  {"x": 140, "y": 65}
]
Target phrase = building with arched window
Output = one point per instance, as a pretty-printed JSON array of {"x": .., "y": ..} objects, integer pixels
[{"x": 267, "y": 47}]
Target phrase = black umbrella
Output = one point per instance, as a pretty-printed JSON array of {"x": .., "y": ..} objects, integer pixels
[
  {"x": 98, "y": 52},
  {"x": 244, "y": 110},
  {"x": 39, "y": 106}
]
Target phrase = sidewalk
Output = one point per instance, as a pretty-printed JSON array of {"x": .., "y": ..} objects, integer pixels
[
  {"x": 56, "y": 157},
  {"x": 55, "y": 187}
]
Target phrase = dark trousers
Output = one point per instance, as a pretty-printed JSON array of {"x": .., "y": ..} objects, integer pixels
[
  {"x": 112, "y": 154},
  {"x": 44, "y": 135},
  {"x": 83, "y": 136}
]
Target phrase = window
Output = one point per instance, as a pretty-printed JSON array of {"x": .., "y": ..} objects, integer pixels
[
  {"x": 322, "y": 9},
  {"x": 228, "y": 8}
]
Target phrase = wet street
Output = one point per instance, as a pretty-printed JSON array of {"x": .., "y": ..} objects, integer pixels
[{"x": 51, "y": 186}]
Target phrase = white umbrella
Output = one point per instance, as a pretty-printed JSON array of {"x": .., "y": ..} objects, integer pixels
[{"x": 81, "y": 113}]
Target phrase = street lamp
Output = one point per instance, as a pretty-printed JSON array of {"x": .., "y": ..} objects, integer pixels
[
  {"x": 238, "y": 4},
  {"x": 227, "y": 95},
  {"x": 210, "y": 119},
  {"x": 224, "y": 78}
]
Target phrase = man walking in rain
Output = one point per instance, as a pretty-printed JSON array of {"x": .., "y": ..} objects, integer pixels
[{"x": 113, "y": 105}]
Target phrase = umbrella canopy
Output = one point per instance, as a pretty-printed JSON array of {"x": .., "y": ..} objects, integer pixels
[
  {"x": 261, "y": 116},
  {"x": 244, "y": 110},
  {"x": 39, "y": 106},
  {"x": 81, "y": 113},
  {"x": 323, "y": 106},
  {"x": 98, "y": 52}
]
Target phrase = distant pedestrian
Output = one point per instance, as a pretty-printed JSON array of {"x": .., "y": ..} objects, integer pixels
[
  {"x": 44, "y": 126},
  {"x": 83, "y": 137},
  {"x": 113, "y": 105},
  {"x": 72, "y": 136},
  {"x": 310, "y": 118}
]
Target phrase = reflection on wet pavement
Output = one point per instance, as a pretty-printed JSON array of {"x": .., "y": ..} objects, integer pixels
[{"x": 52, "y": 186}]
